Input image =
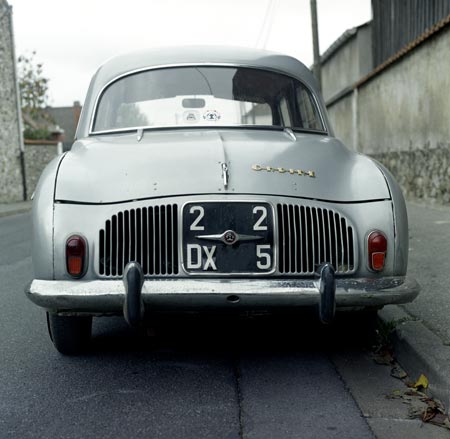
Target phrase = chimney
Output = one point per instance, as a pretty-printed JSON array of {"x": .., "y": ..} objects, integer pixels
[{"x": 57, "y": 133}]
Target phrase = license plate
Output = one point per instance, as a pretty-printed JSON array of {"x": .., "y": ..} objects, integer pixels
[{"x": 228, "y": 238}]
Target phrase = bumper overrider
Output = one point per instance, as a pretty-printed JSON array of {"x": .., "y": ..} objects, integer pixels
[{"x": 133, "y": 295}]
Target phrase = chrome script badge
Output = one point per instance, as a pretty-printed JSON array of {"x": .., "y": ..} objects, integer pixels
[{"x": 311, "y": 174}]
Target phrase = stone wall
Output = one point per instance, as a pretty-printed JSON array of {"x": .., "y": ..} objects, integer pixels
[
  {"x": 400, "y": 116},
  {"x": 11, "y": 186},
  {"x": 38, "y": 153},
  {"x": 422, "y": 173}
]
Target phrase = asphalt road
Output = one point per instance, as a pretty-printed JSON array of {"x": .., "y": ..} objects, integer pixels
[{"x": 225, "y": 377}]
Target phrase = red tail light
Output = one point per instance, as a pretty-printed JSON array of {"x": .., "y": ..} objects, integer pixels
[
  {"x": 75, "y": 255},
  {"x": 377, "y": 247}
]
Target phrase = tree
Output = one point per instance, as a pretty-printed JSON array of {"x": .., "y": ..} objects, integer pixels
[{"x": 33, "y": 87}]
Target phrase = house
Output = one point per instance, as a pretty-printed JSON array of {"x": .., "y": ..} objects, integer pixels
[{"x": 66, "y": 118}]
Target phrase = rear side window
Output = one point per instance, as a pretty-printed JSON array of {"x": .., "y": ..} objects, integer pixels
[{"x": 308, "y": 111}]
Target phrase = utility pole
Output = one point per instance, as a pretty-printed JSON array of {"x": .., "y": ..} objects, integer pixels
[{"x": 316, "y": 51}]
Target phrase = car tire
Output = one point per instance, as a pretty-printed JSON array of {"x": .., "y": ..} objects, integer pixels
[{"x": 69, "y": 334}]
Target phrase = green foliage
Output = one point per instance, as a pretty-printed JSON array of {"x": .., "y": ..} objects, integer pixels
[
  {"x": 385, "y": 329},
  {"x": 36, "y": 134},
  {"x": 33, "y": 87}
]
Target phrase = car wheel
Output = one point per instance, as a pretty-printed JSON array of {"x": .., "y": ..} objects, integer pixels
[
  {"x": 370, "y": 317},
  {"x": 69, "y": 334},
  {"x": 366, "y": 321}
]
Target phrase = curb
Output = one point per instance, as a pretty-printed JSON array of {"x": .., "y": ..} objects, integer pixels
[{"x": 420, "y": 351}]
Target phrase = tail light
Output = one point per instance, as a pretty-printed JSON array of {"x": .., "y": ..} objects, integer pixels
[
  {"x": 75, "y": 255},
  {"x": 377, "y": 247}
]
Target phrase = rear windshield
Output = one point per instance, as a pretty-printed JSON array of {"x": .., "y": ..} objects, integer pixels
[{"x": 206, "y": 97}]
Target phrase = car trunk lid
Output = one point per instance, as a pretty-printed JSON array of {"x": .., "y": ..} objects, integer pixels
[{"x": 107, "y": 169}]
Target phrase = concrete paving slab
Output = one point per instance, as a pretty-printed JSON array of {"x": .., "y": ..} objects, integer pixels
[
  {"x": 429, "y": 263},
  {"x": 406, "y": 428},
  {"x": 420, "y": 351},
  {"x": 371, "y": 385},
  {"x": 421, "y": 337}
]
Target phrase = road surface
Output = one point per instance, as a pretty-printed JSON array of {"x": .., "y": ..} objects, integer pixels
[{"x": 218, "y": 376}]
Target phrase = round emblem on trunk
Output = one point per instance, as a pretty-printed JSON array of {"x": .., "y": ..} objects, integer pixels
[{"x": 229, "y": 237}]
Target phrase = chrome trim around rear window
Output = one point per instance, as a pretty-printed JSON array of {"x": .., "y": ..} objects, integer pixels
[{"x": 168, "y": 66}]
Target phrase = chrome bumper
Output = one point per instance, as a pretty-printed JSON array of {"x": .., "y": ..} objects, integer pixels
[{"x": 107, "y": 296}]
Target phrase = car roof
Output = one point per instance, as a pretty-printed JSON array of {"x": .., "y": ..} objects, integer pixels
[{"x": 189, "y": 55}]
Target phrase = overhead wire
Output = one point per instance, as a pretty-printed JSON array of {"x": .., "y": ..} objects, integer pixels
[{"x": 267, "y": 23}]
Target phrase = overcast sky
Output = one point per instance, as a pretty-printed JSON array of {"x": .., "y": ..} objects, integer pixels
[{"x": 73, "y": 38}]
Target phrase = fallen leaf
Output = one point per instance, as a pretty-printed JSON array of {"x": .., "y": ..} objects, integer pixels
[
  {"x": 428, "y": 414},
  {"x": 398, "y": 372},
  {"x": 435, "y": 405},
  {"x": 404, "y": 396},
  {"x": 383, "y": 359},
  {"x": 395, "y": 394},
  {"x": 422, "y": 382},
  {"x": 441, "y": 420},
  {"x": 417, "y": 394},
  {"x": 415, "y": 412},
  {"x": 421, "y": 405},
  {"x": 440, "y": 404}
]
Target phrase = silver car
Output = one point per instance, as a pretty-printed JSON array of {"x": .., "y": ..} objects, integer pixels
[{"x": 205, "y": 178}]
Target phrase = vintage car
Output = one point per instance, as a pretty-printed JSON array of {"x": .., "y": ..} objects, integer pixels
[{"x": 205, "y": 178}]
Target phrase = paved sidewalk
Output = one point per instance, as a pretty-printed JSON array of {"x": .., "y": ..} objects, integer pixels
[
  {"x": 422, "y": 334},
  {"x": 7, "y": 209}
]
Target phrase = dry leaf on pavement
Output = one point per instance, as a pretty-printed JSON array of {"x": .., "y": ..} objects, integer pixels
[
  {"x": 383, "y": 358},
  {"x": 441, "y": 420},
  {"x": 398, "y": 372},
  {"x": 422, "y": 382}
]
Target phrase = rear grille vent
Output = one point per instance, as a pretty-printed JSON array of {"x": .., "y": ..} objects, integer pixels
[
  {"x": 148, "y": 236},
  {"x": 310, "y": 236}
]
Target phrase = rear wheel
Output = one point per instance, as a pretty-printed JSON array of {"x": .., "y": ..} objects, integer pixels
[
  {"x": 365, "y": 322},
  {"x": 69, "y": 334}
]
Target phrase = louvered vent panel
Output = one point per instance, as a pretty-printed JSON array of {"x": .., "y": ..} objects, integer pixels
[
  {"x": 148, "y": 236},
  {"x": 310, "y": 236}
]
